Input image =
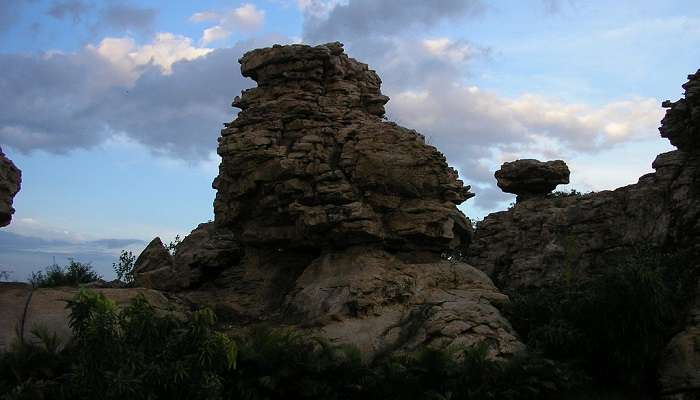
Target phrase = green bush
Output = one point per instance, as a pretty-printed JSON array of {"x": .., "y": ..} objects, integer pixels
[
  {"x": 124, "y": 268},
  {"x": 615, "y": 325},
  {"x": 72, "y": 274},
  {"x": 141, "y": 353}
]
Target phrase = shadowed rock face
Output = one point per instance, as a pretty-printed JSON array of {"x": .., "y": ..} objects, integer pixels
[
  {"x": 531, "y": 178},
  {"x": 155, "y": 269},
  {"x": 538, "y": 241},
  {"x": 541, "y": 241},
  {"x": 10, "y": 182},
  {"x": 309, "y": 162}
]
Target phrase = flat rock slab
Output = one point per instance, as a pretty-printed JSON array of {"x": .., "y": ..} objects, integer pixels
[{"x": 46, "y": 307}]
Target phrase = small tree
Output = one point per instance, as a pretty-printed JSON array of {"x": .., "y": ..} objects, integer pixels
[
  {"x": 124, "y": 268},
  {"x": 172, "y": 246}
]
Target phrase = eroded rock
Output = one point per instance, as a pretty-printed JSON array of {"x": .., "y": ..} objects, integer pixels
[
  {"x": 155, "y": 269},
  {"x": 542, "y": 240},
  {"x": 10, "y": 183},
  {"x": 529, "y": 178},
  {"x": 309, "y": 161},
  {"x": 332, "y": 220}
]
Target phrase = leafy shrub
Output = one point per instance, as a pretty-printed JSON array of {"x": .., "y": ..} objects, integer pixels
[
  {"x": 124, "y": 268},
  {"x": 139, "y": 353},
  {"x": 615, "y": 325},
  {"x": 72, "y": 274}
]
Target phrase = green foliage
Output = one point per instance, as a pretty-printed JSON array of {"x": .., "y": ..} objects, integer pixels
[
  {"x": 124, "y": 268},
  {"x": 615, "y": 325},
  {"x": 141, "y": 353},
  {"x": 72, "y": 274},
  {"x": 572, "y": 193},
  {"x": 172, "y": 246}
]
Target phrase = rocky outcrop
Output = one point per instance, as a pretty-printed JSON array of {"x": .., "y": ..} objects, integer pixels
[
  {"x": 10, "y": 182},
  {"x": 542, "y": 240},
  {"x": 155, "y": 269},
  {"x": 24, "y": 309},
  {"x": 531, "y": 179},
  {"x": 309, "y": 161},
  {"x": 331, "y": 219}
]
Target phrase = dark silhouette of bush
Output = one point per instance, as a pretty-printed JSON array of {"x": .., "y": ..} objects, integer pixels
[
  {"x": 615, "y": 325},
  {"x": 72, "y": 274},
  {"x": 143, "y": 353}
]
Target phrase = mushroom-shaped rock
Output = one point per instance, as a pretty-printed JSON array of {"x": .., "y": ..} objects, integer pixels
[
  {"x": 155, "y": 269},
  {"x": 10, "y": 182},
  {"x": 530, "y": 178}
]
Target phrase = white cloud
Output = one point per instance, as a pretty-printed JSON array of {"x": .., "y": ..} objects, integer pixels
[
  {"x": 214, "y": 33},
  {"x": 446, "y": 48},
  {"x": 204, "y": 16},
  {"x": 246, "y": 18},
  {"x": 129, "y": 59},
  {"x": 478, "y": 130}
]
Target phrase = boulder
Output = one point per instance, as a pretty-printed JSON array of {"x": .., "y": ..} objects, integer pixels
[
  {"x": 154, "y": 269},
  {"x": 10, "y": 183},
  {"x": 529, "y": 178}
]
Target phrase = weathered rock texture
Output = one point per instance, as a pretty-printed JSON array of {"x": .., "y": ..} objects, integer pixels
[
  {"x": 23, "y": 309},
  {"x": 541, "y": 241},
  {"x": 531, "y": 178},
  {"x": 155, "y": 269},
  {"x": 310, "y": 162},
  {"x": 10, "y": 182},
  {"x": 331, "y": 219}
]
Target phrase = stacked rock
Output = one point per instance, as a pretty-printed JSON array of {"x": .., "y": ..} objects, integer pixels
[
  {"x": 530, "y": 178},
  {"x": 10, "y": 182},
  {"x": 309, "y": 161},
  {"x": 682, "y": 119}
]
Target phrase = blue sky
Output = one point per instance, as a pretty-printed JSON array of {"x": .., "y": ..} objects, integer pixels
[{"x": 112, "y": 109}]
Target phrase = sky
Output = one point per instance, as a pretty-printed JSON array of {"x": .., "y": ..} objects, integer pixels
[{"x": 112, "y": 109}]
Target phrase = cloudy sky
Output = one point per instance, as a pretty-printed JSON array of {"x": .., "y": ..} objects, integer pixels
[{"x": 112, "y": 109}]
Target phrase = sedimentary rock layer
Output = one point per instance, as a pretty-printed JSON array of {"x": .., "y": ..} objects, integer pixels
[{"x": 309, "y": 161}]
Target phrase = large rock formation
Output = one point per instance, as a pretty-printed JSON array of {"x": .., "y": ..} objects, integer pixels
[
  {"x": 542, "y": 241},
  {"x": 10, "y": 182},
  {"x": 331, "y": 219},
  {"x": 310, "y": 161},
  {"x": 531, "y": 178}
]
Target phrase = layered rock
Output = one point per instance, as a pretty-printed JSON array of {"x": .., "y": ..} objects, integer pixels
[
  {"x": 330, "y": 219},
  {"x": 530, "y": 179},
  {"x": 544, "y": 239},
  {"x": 309, "y": 161},
  {"x": 10, "y": 183}
]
